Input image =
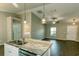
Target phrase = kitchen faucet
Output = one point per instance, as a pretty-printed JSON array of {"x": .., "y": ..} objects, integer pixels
[{"x": 23, "y": 40}]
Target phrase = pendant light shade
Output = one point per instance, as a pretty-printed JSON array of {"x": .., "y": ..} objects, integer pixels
[
  {"x": 54, "y": 18},
  {"x": 43, "y": 21},
  {"x": 73, "y": 22},
  {"x": 25, "y": 14},
  {"x": 25, "y": 22}
]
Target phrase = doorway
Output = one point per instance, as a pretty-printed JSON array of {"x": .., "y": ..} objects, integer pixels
[
  {"x": 72, "y": 32},
  {"x": 53, "y": 32}
]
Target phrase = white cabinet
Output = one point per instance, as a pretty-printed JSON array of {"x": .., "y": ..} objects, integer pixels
[{"x": 10, "y": 50}]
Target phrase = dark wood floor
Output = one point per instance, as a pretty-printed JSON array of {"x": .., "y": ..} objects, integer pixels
[
  {"x": 64, "y": 48},
  {"x": 59, "y": 48},
  {"x": 1, "y": 50}
]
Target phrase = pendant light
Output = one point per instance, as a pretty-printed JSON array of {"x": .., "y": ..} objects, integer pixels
[
  {"x": 54, "y": 18},
  {"x": 43, "y": 18},
  {"x": 73, "y": 22},
  {"x": 25, "y": 13}
]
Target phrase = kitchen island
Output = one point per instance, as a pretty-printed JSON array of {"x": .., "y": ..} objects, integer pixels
[{"x": 33, "y": 46}]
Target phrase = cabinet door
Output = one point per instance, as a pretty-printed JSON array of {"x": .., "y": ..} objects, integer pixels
[{"x": 10, "y": 50}]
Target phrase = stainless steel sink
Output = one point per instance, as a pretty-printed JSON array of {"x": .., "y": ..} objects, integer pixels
[{"x": 18, "y": 42}]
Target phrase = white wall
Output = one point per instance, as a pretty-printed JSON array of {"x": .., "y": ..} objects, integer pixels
[
  {"x": 9, "y": 28},
  {"x": 6, "y": 26},
  {"x": 26, "y": 28},
  {"x": 3, "y": 27}
]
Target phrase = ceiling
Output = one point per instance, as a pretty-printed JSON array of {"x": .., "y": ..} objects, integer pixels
[
  {"x": 9, "y": 7},
  {"x": 64, "y": 11}
]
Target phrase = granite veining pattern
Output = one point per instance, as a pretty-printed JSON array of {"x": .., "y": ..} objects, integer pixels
[{"x": 35, "y": 46}]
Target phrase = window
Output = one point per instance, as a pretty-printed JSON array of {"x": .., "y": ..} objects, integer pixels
[{"x": 53, "y": 32}]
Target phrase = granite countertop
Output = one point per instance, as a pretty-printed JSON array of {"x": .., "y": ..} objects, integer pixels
[{"x": 36, "y": 46}]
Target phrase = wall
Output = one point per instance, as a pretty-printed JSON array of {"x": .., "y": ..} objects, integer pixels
[
  {"x": 26, "y": 28},
  {"x": 78, "y": 32},
  {"x": 33, "y": 26},
  {"x": 37, "y": 29},
  {"x": 3, "y": 27},
  {"x": 60, "y": 30}
]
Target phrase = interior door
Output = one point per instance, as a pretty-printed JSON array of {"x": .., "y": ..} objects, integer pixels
[{"x": 71, "y": 32}]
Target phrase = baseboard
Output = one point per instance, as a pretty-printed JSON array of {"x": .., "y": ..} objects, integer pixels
[{"x": 69, "y": 40}]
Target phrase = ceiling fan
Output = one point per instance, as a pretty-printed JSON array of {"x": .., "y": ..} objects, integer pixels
[{"x": 55, "y": 19}]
